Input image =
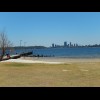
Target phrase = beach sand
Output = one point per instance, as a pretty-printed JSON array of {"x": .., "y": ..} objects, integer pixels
[
  {"x": 53, "y": 60},
  {"x": 64, "y": 60}
]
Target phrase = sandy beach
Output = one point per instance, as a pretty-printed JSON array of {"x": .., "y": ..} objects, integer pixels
[
  {"x": 53, "y": 60},
  {"x": 59, "y": 59}
]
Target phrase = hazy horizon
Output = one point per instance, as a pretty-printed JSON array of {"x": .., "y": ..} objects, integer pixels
[{"x": 45, "y": 28}]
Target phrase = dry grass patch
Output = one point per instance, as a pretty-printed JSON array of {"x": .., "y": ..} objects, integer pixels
[{"x": 20, "y": 74}]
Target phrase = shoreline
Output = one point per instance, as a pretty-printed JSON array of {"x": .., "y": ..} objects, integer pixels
[
  {"x": 60, "y": 59},
  {"x": 53, "y": 60}
]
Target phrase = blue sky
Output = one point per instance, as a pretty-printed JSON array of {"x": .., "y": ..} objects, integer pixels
[{"x": 45, "y": 28}]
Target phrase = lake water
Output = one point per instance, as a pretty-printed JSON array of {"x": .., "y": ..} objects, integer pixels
[
  {"x": 70, "y": 52},
  {"x": 65, "y": 52}
]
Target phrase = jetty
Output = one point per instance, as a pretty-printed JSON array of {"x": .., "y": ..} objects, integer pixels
[{"x": 16, "y": 56}]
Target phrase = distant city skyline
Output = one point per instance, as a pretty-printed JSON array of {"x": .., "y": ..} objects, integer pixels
[
  {"x": 45, "y": 28},
  {"x": 70, "y": 44}
]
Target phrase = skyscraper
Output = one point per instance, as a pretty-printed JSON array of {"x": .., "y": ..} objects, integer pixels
[
  {"x": 53, "y": 45},
  {"x": 70, "y": 44},
  {"x": 65, "y": 44}
]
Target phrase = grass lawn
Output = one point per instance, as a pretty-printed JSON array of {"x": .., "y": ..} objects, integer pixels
[{"x": 49, "y": 75}]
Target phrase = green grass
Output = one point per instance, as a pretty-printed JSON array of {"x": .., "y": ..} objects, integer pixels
[{"x": 50, "y": 75}]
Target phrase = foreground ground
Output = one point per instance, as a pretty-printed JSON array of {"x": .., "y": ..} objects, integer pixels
[{"x": 50, "y": 75}]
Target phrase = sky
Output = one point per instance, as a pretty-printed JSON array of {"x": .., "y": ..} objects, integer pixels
[{"x": 45, "y": 28}]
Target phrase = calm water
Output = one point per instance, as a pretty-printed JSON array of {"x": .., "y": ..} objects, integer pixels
[
  {"x": 69, "y": 52},
  {"x": 64, "y": 52}
]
